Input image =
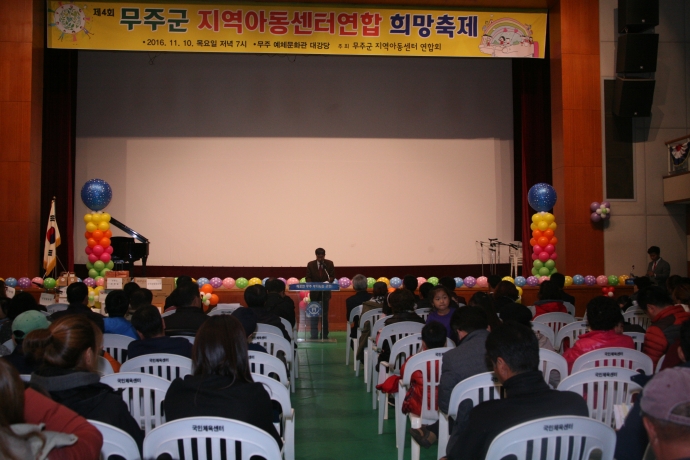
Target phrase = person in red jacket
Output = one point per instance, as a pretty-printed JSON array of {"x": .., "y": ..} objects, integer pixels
[
  {"x": 666, "y": 320},
  {"x": 603, "y": 315},
  {"x": 549, "y": 300}
]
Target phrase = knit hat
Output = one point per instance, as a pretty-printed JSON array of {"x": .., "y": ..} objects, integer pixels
[
  {"x": 248, "y": 319},
  {"x": 667, "y": 396},
  {"x": 27, "y": 322}
]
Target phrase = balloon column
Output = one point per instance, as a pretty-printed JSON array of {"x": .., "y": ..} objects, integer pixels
[
  {"x": 96, "y": 194},
  {"x": 542, "y": 198}
]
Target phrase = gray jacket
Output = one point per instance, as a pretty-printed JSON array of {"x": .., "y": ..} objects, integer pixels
[{"x": 464, "y": 361}]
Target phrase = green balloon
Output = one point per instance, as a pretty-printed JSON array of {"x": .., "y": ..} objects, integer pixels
[
  {"x": 535, "y": 271},
  {"x": 550, "y": 264},
  {"x": 176, "y": 281},
  {"x": 303, "y": 280},
  {"x": 555, "y": 270},
  {"x": 433, "y": 280},
  {"x": 370, "y": 282},
  {"x": 99, "y": 265},
  {"x": 110, "y": 265},
  {"x": 104, "y": 271},
  {"x": 93, "y": 273},
  {"x": 49, "y": 283},
  {"x": 89, "y": 265},
  {"x": 98, "y": 278},
  {"x": 613, "y": 280},
  {"x": 241, "y": 283},
  {"x": 537, "y": 264},
  {"x": 543, "y": 271}
]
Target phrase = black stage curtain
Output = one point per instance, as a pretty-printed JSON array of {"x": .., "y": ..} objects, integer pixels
[
  {"x": 58, "y": 156},
  {"x": 532, "y": 142}
]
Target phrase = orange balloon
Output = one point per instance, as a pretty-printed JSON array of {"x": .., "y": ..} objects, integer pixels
[
  {"x": 554, "y": 241},
  {"x": 532, "y": 242},
  {"x": 206, "y": 289},
  {"x": 88, "y": 235},
  {"x": 214, "y": 300},
  {"x": 107, "y": 234},
  {"x": 97, "y": 235},
  {"x": 105, "y": 242},
  {"x": 548, "y": 233},
  {"x": 91, "y": 242},
  {"x": 543, "y": 241},
  {"x": 536, "y": 233}
]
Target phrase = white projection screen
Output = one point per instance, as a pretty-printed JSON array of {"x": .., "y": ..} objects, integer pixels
[{"x": 245, "y": 160}]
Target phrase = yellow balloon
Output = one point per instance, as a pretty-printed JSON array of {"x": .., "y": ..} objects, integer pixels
[
  {"x": 533, "y": 226},
  {"x": 90, "y": 227},
  {"x": 254, "y": 281},
  {"x": 536, "y": 217},
  {"x": 383, "y": 279},
  {"x": 508, "y": 278},
  {"x": 519, "y": 289},
  {"x": 87, "y": 218},
  {"x": 568, "y": 280},
  {"x": 98, "y": 289},
  {"x": 105, "y": 217},
  {"x": 622, "y": 279},
  {"x": 103, "y": 226},
  {"x": 548, "y": 217},
  {"x": 95, "y": 218},
  {"x": 553, "y": 226},
  {"x": 542, "y": 225}
]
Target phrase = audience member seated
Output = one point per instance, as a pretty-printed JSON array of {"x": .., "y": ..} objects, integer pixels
[
  {"x": 171, "y": 301},
  {"x": 493, "y": 281},
  {"x": 78, "y": 298},
  {"x": 433, "y": 336},
  {"x": 514, "y": 352},
  {"x": 486, "y": 302},
  {"x": 188, "y": 316},
  {"x": 34, "y": 426},
  {"x": 631, "y": 439},
  {"x": 681, "y": 295},
  {"x": 221, "y": 385},
  {"x": 150, "y": 329},
  {"x": 359, "y": 284},
  {"x": 255, "y": 297},
  {"x": 402, "y": 304},
  {"x": 639, "y": 283},
  {"x": 116, "y": 306},
  {"x": 666, "y": 413},
  {"x": 603, "y": 317},
  {"x": 467, "y": 359},
  {"x": 449, "y": 283},
  {"x": 24, "y": 362},
  {"x": 20, "y": 303},
  {"x": 130, "y": 288},
  {"x": 666, "y": 320},
  {"x": 424, "y": 289},
  {"x": 247, "y": 318},
  {"x": 139, "y": 298},
  {"x": 505, "y": 297},
  {"x": 379, "y": 299},
  {"x": 279, "y": 303},
  {"x": 559, "y": 280},
  {"x": 522, "y": 315},
  {"x": 672, "y": 282},
  {"x": 549, "y": 300},
  {"x": 71, "y": 347},
  {"x": 411, "y": 283},
  {"x": 442, "y": 308}
]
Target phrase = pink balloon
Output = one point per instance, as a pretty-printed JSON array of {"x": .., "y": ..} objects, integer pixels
[
  {"x": 105, "y": 257},
  {"x": 302, "y": 304},
  {"x": 554, "y": 256},
  {"x": 92, "y": 258},
  {"x": 421, "y": 280},
  {"x": 602, "y": 280},
  {"x": 109, "y": 249},
  {"x": 482, "y": 281},
  {"x": 228, "y": 283},
  {"x": 535, "y": 256},
  {"x": 537, "y": 249},
  {"x": 543, "y": 278},
  {"x": 549, "y": 248},
  {"x": 100, "y": 281},
  {"x": 292, "y": 280},
  {"x": 303, "y": 294},
  {"x": 543, "y": 256},
  {"x": 98, "y": 250},
  {"x": 88, "y": 250}
]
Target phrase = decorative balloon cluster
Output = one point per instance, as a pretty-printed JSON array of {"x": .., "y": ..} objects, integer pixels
[
  {"x": 208, "y": 298},
  {"x": 600, "y": 211},
  {"x": 542, "y": 198},
  {"x": 96, "y": 195}
]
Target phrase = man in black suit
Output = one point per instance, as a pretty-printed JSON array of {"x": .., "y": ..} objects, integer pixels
[
  {"x": 78, "y": 298},
  {"x": 319, "y": 271},
  {"x": 658, "y": 269}
]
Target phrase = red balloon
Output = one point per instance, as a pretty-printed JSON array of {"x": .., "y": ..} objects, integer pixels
[
  {"x": 543, "y": 241},
  {"x": 535, "y": 256},
  {"x": 97, "y": 235},
  {"x": 92, "y": 258},
  {"x": 91, "y": 242},
  {"x": 532, "y": 242},
  {"x": 88, "y": 250},
  {"x": 544, "y": 256},
  {"x": 87, "y": 235},
  {"x": 97, "y": 250},
  {"x": 105, "y": 257},
  {"x": 537, "y": 234},
  {"x": 549, "y": 248},
  {"x": 537, "y": 249},
  {"x": 105, "y": 242},
  {"x": 554, "y": 256},
  {"x": 109, "y": 249},
  {"x": 548, "y": 233},
  {"x": 554, "y": 241}
]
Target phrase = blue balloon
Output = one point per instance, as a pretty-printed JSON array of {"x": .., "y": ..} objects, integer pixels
[
  {"x": 96, "y": 194},
  {"x": 578, "y": 280},
  {"x": 202, "y": 281},
  {"x": 458, "y": 282},
  {"x": 263, "y": 281},
  {"x": 396, "y": 282},
  {"x": 520, "y": 281},
  {"x": 11, "y": 282},
  {"x": 542, "y": 197}
]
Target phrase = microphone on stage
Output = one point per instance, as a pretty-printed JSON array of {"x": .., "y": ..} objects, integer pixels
[{"x": 327, "y": 274}]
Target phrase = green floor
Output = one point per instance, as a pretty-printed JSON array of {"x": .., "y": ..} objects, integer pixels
[{"x": 333, "y": 412}]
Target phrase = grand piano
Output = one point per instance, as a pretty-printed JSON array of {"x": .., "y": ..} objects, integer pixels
[{"x": 126, "y": 250}]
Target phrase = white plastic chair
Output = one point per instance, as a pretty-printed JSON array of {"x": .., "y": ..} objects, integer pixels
[
  {"x": 570, "y": 307},
  {"x": 545, "y": 330},
  {"x": 400, "y": 352},
  {"x": 104, "y": 367},
  {"x": 143, "y": 394},
  {"x": 637, "y": 316},
  {"x": 270, "y": 366},
  {"x": 423, "y": 313},
  {"x": 391, "y": 334},
  {"x": 370, "y": 318},
  {"x": 478, "y": 388},
  {"x": 188, "y": 337},
  {"x": 602, "y": 388},
  {"x": 170, "y": 312},
  {"x": 573, "y": 437},
  {"x": 659, "y": 364},
  {"x": 286, "y": 427},
  {"x": 369, "y": 350},
  {"x": 56, "y": 307},
  {"x": 275, "y": 344},
  {"x": 116, "y": 442},
  {"x": 555, "y": 320},
  {"x": 9, "y": 345},
  {"x": 429, "y": 364},
  {"x": 116, "y": 345},
  {"x": 193, "y": 436},
  {"x": 25, "y": 377},
  {"x": 626, "y": 358},
  {"x": 357, "y": 311},
  {"x": 638, "y": 338},
  {"x": 291, "y": 332},
  {"x": 552, "y": 361},
  {"x": 162, "y": 365},
  {"x": 572, "y": 332},
  {"x": 267, "y": 328}
]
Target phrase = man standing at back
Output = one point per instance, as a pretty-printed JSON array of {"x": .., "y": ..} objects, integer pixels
[
  {"x": 666, "y": 321},
  {"x": 319, "y": 271},
  {"x": 658, "y": 269}
]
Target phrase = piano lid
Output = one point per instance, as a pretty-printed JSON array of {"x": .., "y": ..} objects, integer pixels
[{"x": 128, "y": 230}]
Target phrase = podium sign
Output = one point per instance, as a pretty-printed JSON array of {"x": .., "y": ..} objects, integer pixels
[
  {"x": 314, "y": 287},
  {"x": 314, "y": 310}
]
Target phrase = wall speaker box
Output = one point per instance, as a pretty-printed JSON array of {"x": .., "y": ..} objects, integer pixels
[
  {"x": 637, "y": 15},
  {"x": 633, "y": 97},
  {"x": 637, "y": 53}
]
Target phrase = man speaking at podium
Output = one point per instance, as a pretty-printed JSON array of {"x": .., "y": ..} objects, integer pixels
[{"x": 318, "y": 271}]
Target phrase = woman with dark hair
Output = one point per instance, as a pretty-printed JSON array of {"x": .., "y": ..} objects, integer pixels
[
  {"x": 549, "y": 300},
  {"x": 379, "y": 299},
  {"x": 221, "y": 383},
  {"x": 70, "y": 348}
]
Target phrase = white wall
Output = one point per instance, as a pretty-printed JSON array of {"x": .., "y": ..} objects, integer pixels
[
  {"x": 256, "y": 160},
  {"x": 638, "y": 224}
]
